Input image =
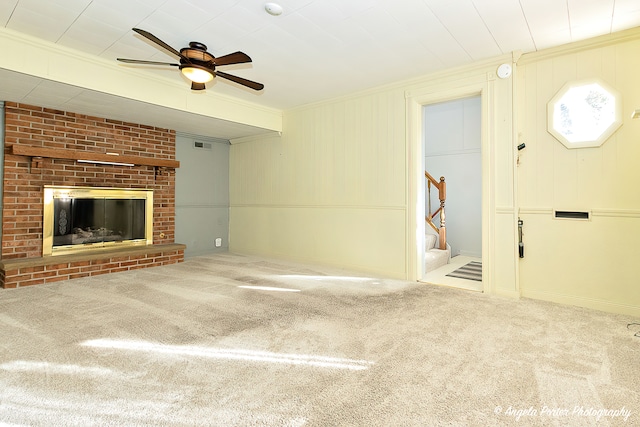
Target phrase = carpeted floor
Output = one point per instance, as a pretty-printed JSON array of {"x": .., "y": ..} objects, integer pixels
[{"x": 229, "y": 340}]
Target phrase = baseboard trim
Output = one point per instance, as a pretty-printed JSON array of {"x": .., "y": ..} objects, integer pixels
[
  {"x": 592, "y": 303},
  {"x": 506, "y": 293},
  {"x": 328, "y": 263},
  {"x": 470, "y": 254}
]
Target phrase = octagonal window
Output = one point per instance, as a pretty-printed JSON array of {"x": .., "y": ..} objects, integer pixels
[{"x": 584, "y": 114}]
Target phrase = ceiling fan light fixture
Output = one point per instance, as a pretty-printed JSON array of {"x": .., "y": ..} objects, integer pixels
[
  {"x": 196, "y": 73},
  {"x": 198, "y": 65}
]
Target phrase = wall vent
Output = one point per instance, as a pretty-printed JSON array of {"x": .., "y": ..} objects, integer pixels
[
  {"x": 582, "y": 215},
  {"x": 202, "y": 145}
]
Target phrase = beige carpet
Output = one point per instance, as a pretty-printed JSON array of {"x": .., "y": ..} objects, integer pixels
[{"x": 226, "y": 340}]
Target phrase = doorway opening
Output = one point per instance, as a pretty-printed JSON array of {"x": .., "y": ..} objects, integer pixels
[{"x": 451, "y": 143}]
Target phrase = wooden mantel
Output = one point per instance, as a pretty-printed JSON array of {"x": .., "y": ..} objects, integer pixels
[{"x": 89, "y": 156}]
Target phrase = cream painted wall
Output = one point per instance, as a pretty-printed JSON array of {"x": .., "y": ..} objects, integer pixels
[
  {"x": 331, "y": 189},
  {"x": 586, "y": 263},
  {"x": 340, "y": 186}
]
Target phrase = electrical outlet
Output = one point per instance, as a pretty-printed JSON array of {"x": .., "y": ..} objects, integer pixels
[{"x": 218, "y": 242}]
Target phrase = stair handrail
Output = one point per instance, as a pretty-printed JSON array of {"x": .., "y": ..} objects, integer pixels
[{"x": 442, "y": 196}]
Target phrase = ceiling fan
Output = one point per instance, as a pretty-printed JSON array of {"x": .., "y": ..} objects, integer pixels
[{"x": 197, "y": 64}]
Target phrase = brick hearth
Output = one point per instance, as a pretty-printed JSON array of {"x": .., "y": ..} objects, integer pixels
[{"x": 25, "y": 177}]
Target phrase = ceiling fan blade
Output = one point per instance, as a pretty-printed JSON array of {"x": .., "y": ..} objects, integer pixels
[
  {"x": 197, "y": 86},
  {"x": 159, "y": 42},
  {"x": 138, "y": 61},
  {"x": 240, "y": 80},
  {"x": 232, "y": 58}
]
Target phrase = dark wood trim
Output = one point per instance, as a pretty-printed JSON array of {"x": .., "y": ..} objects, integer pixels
[{"x": 55, "y": 153}]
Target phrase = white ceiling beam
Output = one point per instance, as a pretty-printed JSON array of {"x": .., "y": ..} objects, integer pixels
[{"x": 38, "y": 58}]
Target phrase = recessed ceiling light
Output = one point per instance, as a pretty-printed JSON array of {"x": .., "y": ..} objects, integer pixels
[{"x": 273, "y": 9}]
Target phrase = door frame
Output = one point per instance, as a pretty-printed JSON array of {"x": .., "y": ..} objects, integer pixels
[
  {"x": 415, "y": 100},
  {"x": 431, "y": 162}
]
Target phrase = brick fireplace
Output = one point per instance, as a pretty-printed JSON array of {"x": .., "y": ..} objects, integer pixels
[{"x": 46, "y": 147}]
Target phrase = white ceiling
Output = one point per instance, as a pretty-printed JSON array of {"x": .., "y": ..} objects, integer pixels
[{"x": 317, "y": 49}]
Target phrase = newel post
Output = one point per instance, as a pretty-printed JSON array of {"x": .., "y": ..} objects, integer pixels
[{"x": 443, "y": 229}]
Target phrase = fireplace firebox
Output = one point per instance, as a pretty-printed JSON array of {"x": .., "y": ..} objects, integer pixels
[{"x": 92, "y": 218}]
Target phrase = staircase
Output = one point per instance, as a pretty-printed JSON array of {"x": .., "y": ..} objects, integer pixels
[
  {"x": 437, "y": 251},
  {"x": 441, "y": 186}
]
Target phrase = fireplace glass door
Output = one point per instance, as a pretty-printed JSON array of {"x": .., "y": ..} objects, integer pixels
[
  {"x": 85, "y": 221},
  {"x": 80, "y": 219}
]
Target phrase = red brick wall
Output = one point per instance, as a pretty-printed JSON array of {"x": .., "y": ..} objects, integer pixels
[
  {"x": 14, "y": 277},
  {"x": 42, "y": 127}
]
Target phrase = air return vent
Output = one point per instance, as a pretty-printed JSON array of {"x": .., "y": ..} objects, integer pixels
[
  {"x": 202, "y": 145},
  {"x": 581, "y": 215}
]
